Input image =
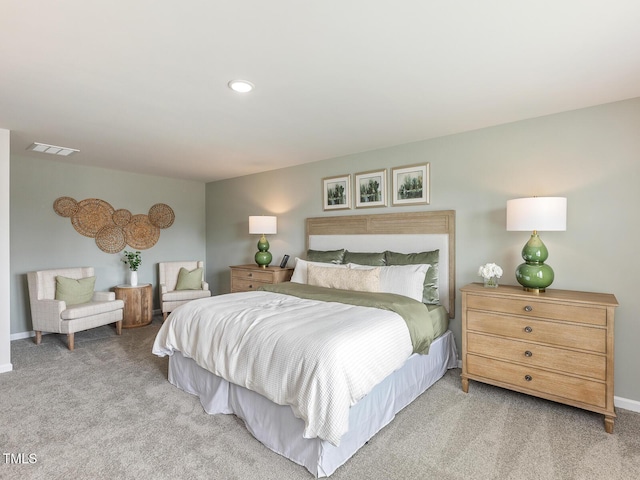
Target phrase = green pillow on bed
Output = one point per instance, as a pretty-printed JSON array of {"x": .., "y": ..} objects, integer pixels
[
  {"x": 326, "y": 256},
  {"x": 373, "y": 259},
  {"x": 189, "y": 280},
  {"x": 430, "y": 294}
]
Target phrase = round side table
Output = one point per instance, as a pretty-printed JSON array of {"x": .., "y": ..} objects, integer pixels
[{"x": 138, "y": 304}]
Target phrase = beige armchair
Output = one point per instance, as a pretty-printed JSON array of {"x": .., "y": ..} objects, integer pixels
[
  {"x": 51, "y": 315},
  {"x": 170, "y": 297}
]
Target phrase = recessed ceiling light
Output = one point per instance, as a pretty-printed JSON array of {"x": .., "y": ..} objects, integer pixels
[
  {"x": 52, "y": 149},
  {"x": 241, "y": 86}
]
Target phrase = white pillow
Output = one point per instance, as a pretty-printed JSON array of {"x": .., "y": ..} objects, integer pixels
[
  {"x": 344, "y": 279},
  {"x": 407, "y": 280},
  {"x": 300, "y": 270}
]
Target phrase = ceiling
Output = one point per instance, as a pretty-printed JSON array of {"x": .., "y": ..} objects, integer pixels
[{"x": 141, "y": 86}]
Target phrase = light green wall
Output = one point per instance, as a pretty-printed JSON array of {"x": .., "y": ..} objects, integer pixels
[
  {"x": 591, "y": 156},
  {"x": 42, "y": 239}
]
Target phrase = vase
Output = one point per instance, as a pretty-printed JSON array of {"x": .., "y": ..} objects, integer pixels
[
  {"x": 491, "y": 282},
  {"x": 133, "y": 278}
]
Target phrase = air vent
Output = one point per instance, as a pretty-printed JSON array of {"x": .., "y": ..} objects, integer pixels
[{"x": 52, "y": 149}]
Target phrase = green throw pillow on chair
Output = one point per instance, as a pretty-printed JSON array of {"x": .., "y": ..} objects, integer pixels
[
  {"x": 74, "y": 291},
  {"x": 189, "y": 280}
]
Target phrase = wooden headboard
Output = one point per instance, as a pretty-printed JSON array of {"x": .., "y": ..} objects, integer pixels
[{"x": 408, "y": 232}]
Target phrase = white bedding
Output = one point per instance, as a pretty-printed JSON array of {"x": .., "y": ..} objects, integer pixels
[
  {"x": 277, "y": 428},
  {"x": 331, "y": 356}
]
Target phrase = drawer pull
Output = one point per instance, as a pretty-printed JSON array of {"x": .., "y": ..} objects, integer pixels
[
  {"x": 250, "y": 286},
  {"x": 528, "y": 329},
  {"x": 528, "y": 353},
  {"x": 250, "y": 274},
  {"x": 528, "y": 378},
  {"x": 528, "y": 308}
]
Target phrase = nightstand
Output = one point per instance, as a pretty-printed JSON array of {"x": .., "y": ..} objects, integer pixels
[
  {"x": 556, "y": 345},
  {"x": 245, "y": 278},
  {"x": 138, "y": 304}
]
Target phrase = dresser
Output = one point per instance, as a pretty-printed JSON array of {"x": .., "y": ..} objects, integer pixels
[
  {"x": 245, "y": 278},
  {"x": 556, "y": 345}
]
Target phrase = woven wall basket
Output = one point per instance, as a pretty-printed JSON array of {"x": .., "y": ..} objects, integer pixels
[
  {"x": 65, "y": 206},
  {"x": 121, "y": 217},
  {"x": 111, "y": 239},
  {"x": 140, "y": 233},
  {"x": 92, "y": 215},
  {"x": 161, "y": 215}
]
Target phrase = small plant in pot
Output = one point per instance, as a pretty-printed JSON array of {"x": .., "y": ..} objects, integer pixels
[{"x": 133, "y": 259}]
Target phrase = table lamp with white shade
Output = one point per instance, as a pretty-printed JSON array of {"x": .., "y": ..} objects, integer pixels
[
  {"x": 263, "y": 225},
  {"x": 536, "y": 214}
]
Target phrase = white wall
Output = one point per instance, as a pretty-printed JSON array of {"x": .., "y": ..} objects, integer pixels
[
  {"x": 5, "y": 308},
  {"x": 591, "y": 156}
]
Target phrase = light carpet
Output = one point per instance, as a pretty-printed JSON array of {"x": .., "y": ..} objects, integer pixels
[{"x": 106, "y": 410}]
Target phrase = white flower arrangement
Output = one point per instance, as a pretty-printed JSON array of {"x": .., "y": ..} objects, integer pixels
[{"x": 490, "y": 270}]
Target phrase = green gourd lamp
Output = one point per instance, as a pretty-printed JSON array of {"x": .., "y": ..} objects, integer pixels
[
  {"x": 536, "y": 214},
  {"x": 263, "y": 225}
]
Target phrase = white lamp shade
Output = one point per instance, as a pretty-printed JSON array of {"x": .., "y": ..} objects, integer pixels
[
  {"x": 263, "y": 225},
  {"x": 537, "y": 213}
]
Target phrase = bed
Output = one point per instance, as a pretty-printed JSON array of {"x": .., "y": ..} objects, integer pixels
[{"x": 292, "y": 418}]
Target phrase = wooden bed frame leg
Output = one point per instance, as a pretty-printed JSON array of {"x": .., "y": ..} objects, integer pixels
[
  {"x": 70, "y": 341},
  {"x": 608, "y": 423},
  {"x": 465, "y": 385},
  {"x": 38, "y": 338},
  {"x": 119, "y": 327},
  {"x": 164, "y": 316}
]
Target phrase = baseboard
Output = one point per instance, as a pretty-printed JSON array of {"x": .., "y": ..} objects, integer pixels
[
  {"x": 627, "y": 404},
  {"x": 21, "y": 335},
  {"x": 7, "y": 367},
  {"x": 619, "y": 402}
]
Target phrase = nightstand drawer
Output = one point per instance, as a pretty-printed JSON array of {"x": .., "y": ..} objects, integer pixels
[
  {"x": 538, "y": 380},
  {"x": 578, "y": 363},
  {"x": 245, "y": 285},
  {"x": 252, "y": 275},
  {"x": 532, "y": 330},
  {"x": 532, "y": 307}
]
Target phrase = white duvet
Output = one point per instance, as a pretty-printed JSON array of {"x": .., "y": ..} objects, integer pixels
[{"x": 318, "y": 357}]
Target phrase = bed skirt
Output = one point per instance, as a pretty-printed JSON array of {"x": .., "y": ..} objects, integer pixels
[{"x": 276, "y": 427}]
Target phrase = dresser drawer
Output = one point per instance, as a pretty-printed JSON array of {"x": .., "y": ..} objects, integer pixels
[
  {"x": 265, "y": 276},
  {"x": 538, "y": 380},
  {"x": 578, "y": 363},
  {"x": 533, "y": 307},
  {"x": 529, "y": 329}
]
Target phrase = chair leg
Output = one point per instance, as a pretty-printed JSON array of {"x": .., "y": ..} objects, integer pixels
[
  {"x": 70, "y": 341},
  {"x": 119, "y": 327},
  {"x": 38, "y": 338}
]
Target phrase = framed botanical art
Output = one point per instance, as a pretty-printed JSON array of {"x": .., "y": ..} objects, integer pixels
[
  {"x": 371, "y": 189},
  {"x": 410, "y": 185},
  {"x": 336, "y": 192}
]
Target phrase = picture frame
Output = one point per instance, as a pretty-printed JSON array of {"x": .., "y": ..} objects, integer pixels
[
  {"x": 336, "y": 193},
  {"x": 370, "y": 189},
  {"x": 410, "y": 185}
]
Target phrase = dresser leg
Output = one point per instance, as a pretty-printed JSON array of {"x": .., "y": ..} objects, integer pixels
[
  {"x": 608, "y": 424},
  {"x": 465, "y": 385}
]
